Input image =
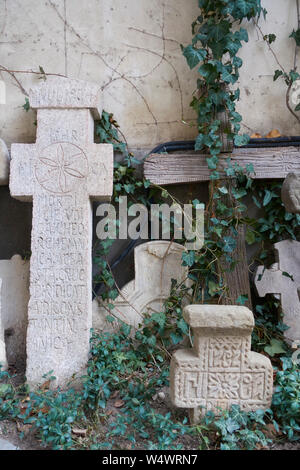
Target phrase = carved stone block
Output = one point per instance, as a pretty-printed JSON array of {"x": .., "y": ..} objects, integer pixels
[{"x": 220, "y": 370}]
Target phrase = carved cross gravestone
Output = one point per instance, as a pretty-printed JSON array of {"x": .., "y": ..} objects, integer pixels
[
  {"x": 156, "y": 264},
  {"x": 284, "y": 279},
  {"x": 220, "y": 370},
  {"x": 61, "y": 173}
]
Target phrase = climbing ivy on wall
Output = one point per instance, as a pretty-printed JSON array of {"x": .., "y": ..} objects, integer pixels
[{"x": 215, "y": 44}]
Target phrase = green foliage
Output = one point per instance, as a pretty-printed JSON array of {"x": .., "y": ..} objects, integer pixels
[
  {"x": 270, "y": 38},
  {"x": 236, "y": 430},
  {"x": 276, "y": 224},
  {"x": 26, "y": 106},
  {"x": 214, "y": 49},
  {"x": 296, "y": 35},
  {"x": 286, "y": 399},
  {"x": 50, "y": 412}
]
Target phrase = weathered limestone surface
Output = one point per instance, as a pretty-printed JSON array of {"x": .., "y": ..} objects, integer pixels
[
  {"x": 4, "y": 163},
  {"x": 3, "y": 361},
  {"x": 14, "y": 303},
  {"x": 132, "y": 49},
  {"x": 156, "y": 264},
  {"x": 220, "y": 370},
  {"x": 61, "y": 173},
  {"x": 61, "y": 94},
  {"x": 284, "y": 279},
  {"x": 290, "y": 193}
]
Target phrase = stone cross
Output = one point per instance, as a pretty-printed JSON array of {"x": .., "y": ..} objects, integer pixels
[
  {"x": 61, "y": 173},
  {"x": 3, "y": 362},
  {"x": 150, "y": 288},
  {"x": 220, "y": 370},
  {"x": 284, "y": 279}
]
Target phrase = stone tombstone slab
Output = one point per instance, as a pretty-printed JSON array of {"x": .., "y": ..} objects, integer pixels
[
  {"x": 4, "y": 163},
  {"x": 15, "y": 296},
  {"x": 61, "y": 173},
  {"x": 156, "y": 264},
  {"x": 290, "y": 193},
  {"x": 220, "y": 370},
  {"x": 3, "y": 361},
  {"x": 284, "y": 279}
]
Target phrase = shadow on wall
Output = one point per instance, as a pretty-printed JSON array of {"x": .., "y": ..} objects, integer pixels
[{"x": 15, "y": 225}]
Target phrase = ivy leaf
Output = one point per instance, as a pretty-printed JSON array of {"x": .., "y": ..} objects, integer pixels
[
  {"x": 26, "y": 106},
  {"x": 212, "y": 162},
  {"x": 270, "y": 38},
  {"x": 277, "y": 74},
  {"x": 275, "y": 347},
  {"x": 228, "y": 77},
  {"x": 294, "y": 75},
  {"x": 268, "y": 197},
  {"x": 229, "y": 244},
  {"x": 223, "y": 190},
  {"x": 199, "y": 142},
  {"x": 237, "y": 62},
  {"x": 188, "y": 258},
  {"x": 239, "y": 193},
  {"x": 242, "y": 299},
  {"x": 160, "y": 318},
  {"x": 242, "y": 35},
  {"x": 194, "y": 56},
  {"x": 241, "y": 140},
  {"x": 209, "y": 72},
  {"x": 175, "y": 338},
  {"x": 284, "y": 273},
  {"x": 296, "y": 35},
  {"x": 213, "y": 288},
  {"x": 250, "y": 237},
  {"x": 232, "y": 425},
  {"x": 183, "y": 326}
]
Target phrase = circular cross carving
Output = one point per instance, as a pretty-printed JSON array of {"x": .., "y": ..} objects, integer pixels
[{"x": 60, "y": 167}]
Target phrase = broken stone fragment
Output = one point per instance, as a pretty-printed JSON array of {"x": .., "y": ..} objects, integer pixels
[{"x": 290, "y": 193}]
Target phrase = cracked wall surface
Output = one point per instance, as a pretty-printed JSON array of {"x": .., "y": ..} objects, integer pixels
[{"x": 132, "y": 48}]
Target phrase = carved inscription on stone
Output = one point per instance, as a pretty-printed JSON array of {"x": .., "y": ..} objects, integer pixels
[
  {"x": 61, "y": 177},
  {"x": 221, "y": 370}
]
